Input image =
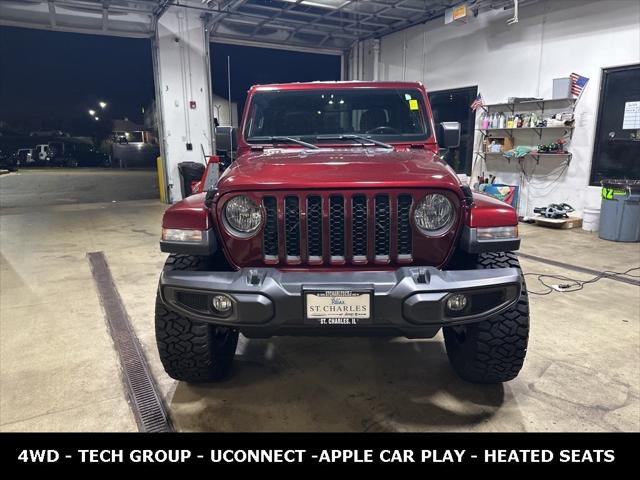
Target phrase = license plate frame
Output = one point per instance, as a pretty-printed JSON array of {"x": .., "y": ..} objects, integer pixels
[{"x": 321, "y": 319}]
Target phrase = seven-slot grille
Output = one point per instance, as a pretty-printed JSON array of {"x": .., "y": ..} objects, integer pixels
[{"x": 334, "y": 229}]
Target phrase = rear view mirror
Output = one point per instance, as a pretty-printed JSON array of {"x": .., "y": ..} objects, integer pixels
[{"x": 449, "y": 134}]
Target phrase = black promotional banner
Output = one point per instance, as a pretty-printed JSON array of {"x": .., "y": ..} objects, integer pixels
[{"x": 95, "y": 452}]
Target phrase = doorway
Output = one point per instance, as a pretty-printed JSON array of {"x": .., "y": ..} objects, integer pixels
[
  {"x": 455, "y": 106},
  {"x": 617, "y": 143}
]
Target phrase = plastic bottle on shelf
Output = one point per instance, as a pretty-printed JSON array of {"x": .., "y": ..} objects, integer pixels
[
  {"x": 510, "y": 121},
  {"x": 520, "y": 121},
  {"x": 485, "y": 121}
]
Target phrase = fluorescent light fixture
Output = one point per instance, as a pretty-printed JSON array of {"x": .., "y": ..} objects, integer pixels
[
  {"x": 497, "y": 233},
  {"x": 329, "y": 4}
]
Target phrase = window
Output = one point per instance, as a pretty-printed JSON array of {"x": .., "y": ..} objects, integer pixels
[
  {"x": 385, "y": 114},
  {"x": 128, "y": 137},
  {"x": 455, "y": 106},
  {"x": 616, "y": 152}
]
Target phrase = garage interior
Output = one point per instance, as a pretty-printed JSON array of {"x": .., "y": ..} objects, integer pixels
[{"x": 59, "y": 368}]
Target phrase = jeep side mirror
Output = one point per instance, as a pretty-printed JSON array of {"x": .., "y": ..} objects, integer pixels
[
  {"x": 234, "y": 139},
  {"x": 449, "y": 135},
  {"x": 226, "y": 139}
]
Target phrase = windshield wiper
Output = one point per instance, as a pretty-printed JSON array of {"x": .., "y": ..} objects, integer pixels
[
  {"x": 285, "y": 139},
  {"x": 359, "y": 138}
]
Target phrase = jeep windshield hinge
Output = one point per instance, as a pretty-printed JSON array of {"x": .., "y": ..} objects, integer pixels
[
  {"x": 468, "y": 195},
  {"x": 208, "y": 199}
]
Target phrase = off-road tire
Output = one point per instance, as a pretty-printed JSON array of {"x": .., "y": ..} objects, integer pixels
[
  {"x": 492, "y": 351},
  {"x": 192, "y": 351}
]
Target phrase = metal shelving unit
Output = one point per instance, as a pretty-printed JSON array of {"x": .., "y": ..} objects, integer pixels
[
  {"x": 538, "y": 130},
  {"x": 563, "y": 127},
  {"x": 529, "y": 106},
  {"x": 534, "y": 155}
]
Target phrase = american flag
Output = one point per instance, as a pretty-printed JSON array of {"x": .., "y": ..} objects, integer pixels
[
  {"x": 577, "y": 84},
  {"x": 478, "y": 102}
]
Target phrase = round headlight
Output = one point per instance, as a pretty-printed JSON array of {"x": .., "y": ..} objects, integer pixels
[
  {"x": 434, "y": 214},
  {"x": 243, "y": 215}
]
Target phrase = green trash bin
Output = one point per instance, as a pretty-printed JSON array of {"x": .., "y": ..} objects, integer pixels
[{"x": 620, "y": 211}]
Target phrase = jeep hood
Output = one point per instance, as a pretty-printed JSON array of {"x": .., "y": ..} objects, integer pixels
[{"x": 343, "y": 168}]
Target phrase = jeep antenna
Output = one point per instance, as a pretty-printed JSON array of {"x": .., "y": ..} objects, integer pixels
[{"x": 230, "y": 111}]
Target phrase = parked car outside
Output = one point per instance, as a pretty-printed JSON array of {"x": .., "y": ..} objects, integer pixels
[
  {"x": 24, "y": 157},
  {"x": 76, "y": 153},
  {"x": 8, "y": 162}
]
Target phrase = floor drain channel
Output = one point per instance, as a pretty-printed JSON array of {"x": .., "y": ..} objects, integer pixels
[
  {"x": 144, "y": 395},
  {"x": 578, "y": 268}
]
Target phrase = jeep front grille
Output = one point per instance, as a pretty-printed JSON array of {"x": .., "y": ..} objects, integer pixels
[
  {"x": 270, "y": 228},
  {"x": 405, "y": 243},
  {"x": 331, "y": 229},
  {"x": 292, "y": 228},
  {"x": 336, "y": 228},
  {"x": 314, "y": 228}
]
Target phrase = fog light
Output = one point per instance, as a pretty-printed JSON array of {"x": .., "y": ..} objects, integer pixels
[
  {"x": 222, "y": 303},
  {"x": 457, "y": 302}
]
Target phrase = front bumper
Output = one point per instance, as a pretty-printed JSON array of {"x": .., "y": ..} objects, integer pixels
[{"x": 410, "y": 301}]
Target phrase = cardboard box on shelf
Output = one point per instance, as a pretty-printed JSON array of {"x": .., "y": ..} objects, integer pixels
[{"x": 506, "y": 143}]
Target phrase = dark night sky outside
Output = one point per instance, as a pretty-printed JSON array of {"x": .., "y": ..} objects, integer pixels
[
  {"x": 49, "y": 80},
  {"x": 251, "y": 66}
]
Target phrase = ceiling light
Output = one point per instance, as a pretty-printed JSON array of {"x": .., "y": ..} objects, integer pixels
[{"x": 329, "y": 4}]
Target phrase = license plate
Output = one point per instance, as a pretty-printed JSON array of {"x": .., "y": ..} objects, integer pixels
[{"x": 337, "y": 307}]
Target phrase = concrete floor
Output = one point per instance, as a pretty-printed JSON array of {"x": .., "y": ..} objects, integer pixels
[
  {"x": 59, "y": 372},
  {"x": 63, "y": 186}
]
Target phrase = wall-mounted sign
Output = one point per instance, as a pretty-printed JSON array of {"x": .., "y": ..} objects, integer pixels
[{"x": 631, "y": 119}]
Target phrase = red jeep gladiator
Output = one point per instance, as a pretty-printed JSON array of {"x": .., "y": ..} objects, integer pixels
[{"x": 339, "y": 217}]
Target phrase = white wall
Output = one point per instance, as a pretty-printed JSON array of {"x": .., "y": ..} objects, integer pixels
[
  {"x": 553, "y": 39},
  {"x": 221, "y": 111},
  {"x": 181, "y": 64},
  {"x": 360, "y": 61}
]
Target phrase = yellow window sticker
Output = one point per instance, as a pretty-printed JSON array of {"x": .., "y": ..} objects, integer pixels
[{"x": 413, "y": 104}]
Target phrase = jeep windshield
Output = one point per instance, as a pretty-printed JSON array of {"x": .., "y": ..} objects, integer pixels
[{"x": 349, "y": 116}]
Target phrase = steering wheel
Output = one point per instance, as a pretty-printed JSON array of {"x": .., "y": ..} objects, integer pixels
[{"x": 384, "y": 129}]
